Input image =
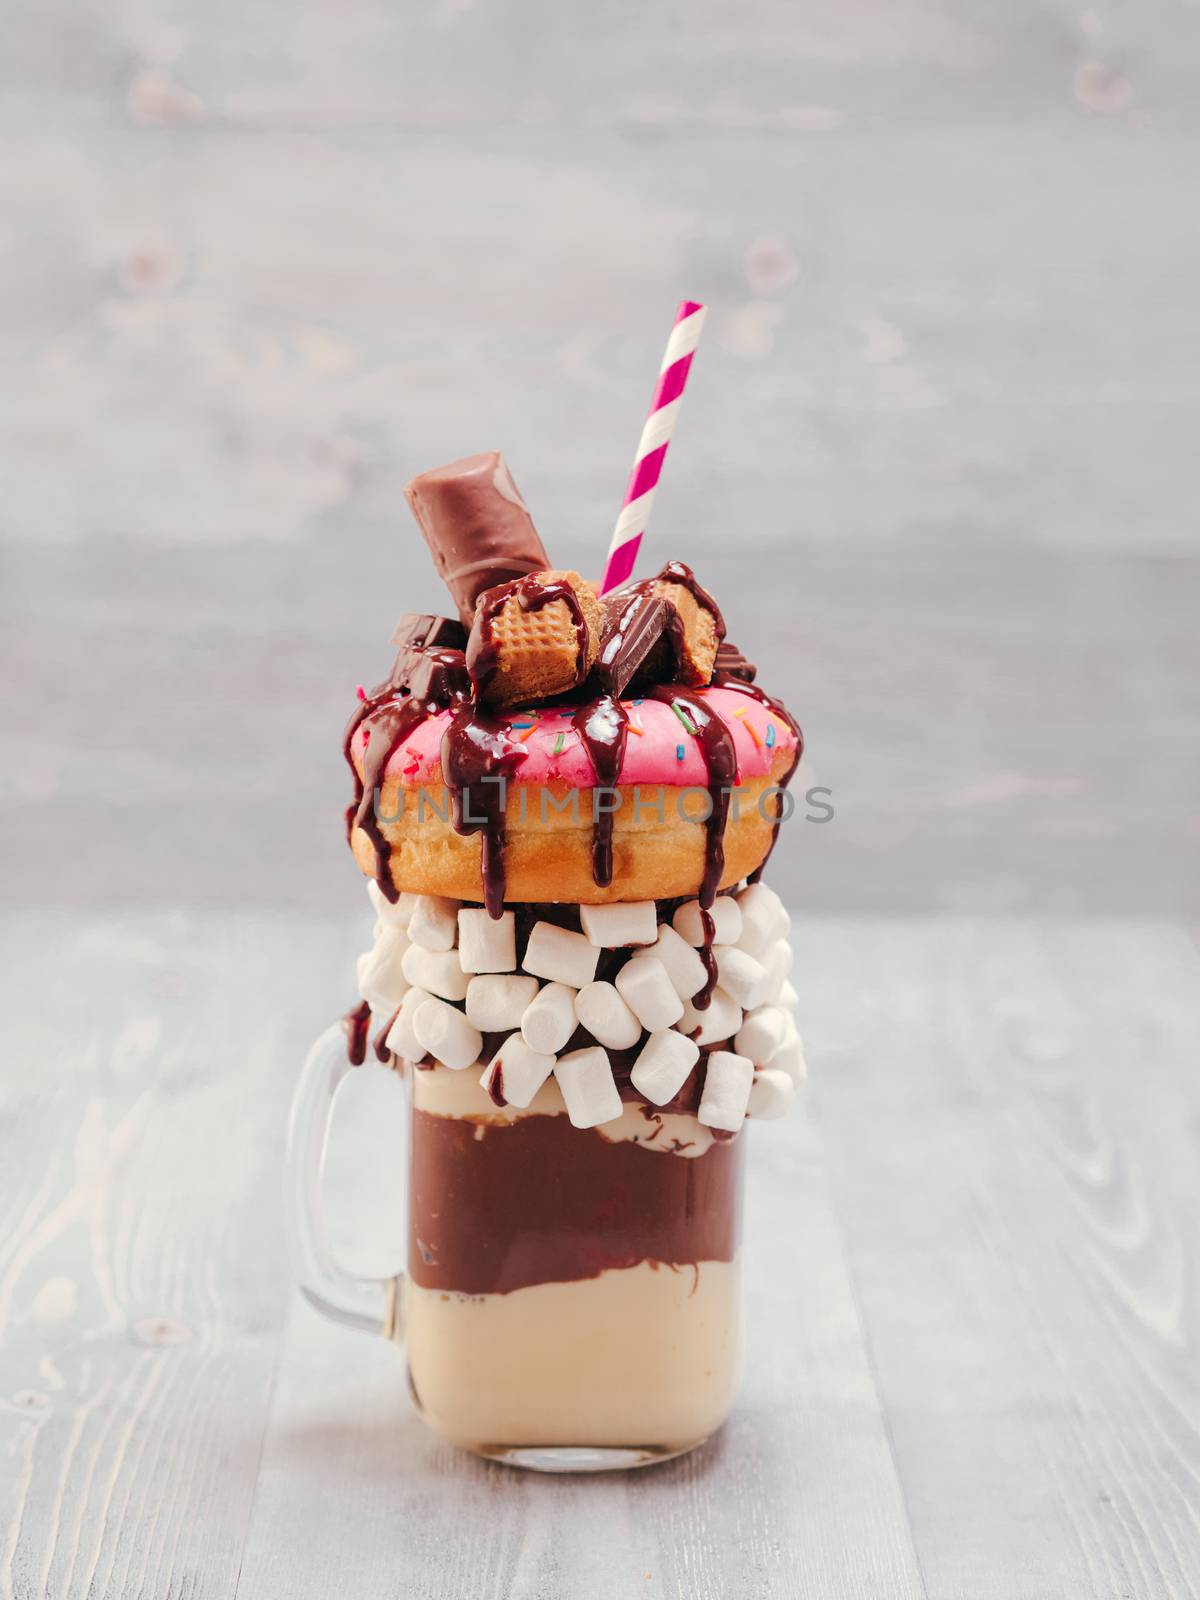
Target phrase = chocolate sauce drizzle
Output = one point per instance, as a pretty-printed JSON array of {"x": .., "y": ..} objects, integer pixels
[
  {"x": 422, "y": 682},
  {"x": 357, "y": 1023},
  {"x": 380, "y": 1047},
  {"x": 477, "y": 753},
  {"x": 387, "y": 724},
  {"x": 603, "y": 726},
  {"x": 752, "y": 691}
]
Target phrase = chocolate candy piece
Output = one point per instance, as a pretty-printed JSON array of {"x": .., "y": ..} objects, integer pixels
[
  {"x": 684, "y": 648},
  {"x": 440, "y": 677},
  {"x": 416, "y": 633},
  {"x": 476, "y": 526},
  {"x": 731, "y": 663},
  {"x": 417, "y": 628},
  {"x": 634, "y": 622}
]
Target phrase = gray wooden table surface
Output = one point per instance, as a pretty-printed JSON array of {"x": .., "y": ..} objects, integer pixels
[
  {"x": 973, "y": 1338},
  {"x": 258, "y": 265}
]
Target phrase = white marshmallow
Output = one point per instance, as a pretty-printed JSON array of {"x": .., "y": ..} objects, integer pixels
[
  {"x": 647, "y": 990},
  {"x": 788, "y": 997},
  {"x": 684, "y": 967},
  {"x": 727, "y": 921},
  {"x": 391, "y": 914},
  {"x": 777, "y": 959},
  {"x": 727, "y": 1084},
  {"x": 446, "y": 1034},
  {"x": 550, "y": 1019},
  {"x": 433, "y": 923},
  {"x": 497, "y": 1001},
  {"x": 487, "y": 944},
  {"x": 436, "y": 970},
  {"x": 752, "y": 944},
  {"x": 771, "y": 1094},
  {"x": 401, "y": 1039},
  {"x": 622, "y": 923},
  {"x": 588, "y": 1087},
  {"x": 606, "y": 1017},
  {"x": 522, "y": 1071},
  {"x": 746, "y": 979},
  {"x": 664, "y": 1066},
  {"x": 763, "y": 918},
  {"x": 790, "y": 1059},
  {"x": 720, "y": 1021},
  {"x": 761, "y": 1034},
  {"x": 381, "y": 979},
  {"x": 560, "y": 955}
]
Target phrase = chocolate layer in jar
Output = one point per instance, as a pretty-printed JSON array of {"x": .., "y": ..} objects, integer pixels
[{"x": 501, "y": 1205}]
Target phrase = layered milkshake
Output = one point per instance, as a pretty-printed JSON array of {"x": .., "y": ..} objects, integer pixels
[{"x": 563, "y": 803}]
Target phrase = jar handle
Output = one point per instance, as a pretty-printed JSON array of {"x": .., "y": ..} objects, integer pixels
[{"x": 372, "y": 1305}]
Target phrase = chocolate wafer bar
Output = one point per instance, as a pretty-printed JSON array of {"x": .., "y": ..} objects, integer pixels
[{"x": 476, "y": 525}]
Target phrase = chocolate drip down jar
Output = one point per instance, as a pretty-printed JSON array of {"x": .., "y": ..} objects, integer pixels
[{"x": 562, "y": 806}]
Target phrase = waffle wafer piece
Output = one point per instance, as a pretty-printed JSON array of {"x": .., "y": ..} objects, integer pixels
[
  {"x": 697, "y": 628},
  {"x": 533, "y": 638}
]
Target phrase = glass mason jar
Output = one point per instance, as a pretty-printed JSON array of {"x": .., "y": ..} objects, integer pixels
[{"x": 572, "y": 1297}]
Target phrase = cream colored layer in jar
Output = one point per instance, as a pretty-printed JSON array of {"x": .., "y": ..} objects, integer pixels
[{"x": 645, "y": 1356}]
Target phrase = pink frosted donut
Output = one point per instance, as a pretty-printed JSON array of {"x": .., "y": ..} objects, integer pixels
[{"x": 662, "y": 835}]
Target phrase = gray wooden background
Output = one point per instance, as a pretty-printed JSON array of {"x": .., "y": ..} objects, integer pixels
[{"x": 260, "y": 263}]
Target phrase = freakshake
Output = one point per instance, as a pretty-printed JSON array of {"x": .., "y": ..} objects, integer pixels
[{"x": 563, "y": 804}]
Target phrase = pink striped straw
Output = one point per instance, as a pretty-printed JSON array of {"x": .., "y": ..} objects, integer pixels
[{"x": 652, "y": 446}]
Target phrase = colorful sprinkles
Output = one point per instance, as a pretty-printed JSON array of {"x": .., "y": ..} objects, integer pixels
[
  {"x": 360, "y": 691},
  {"x": 688, "y": 724},
  {"x": 770, "y": 734},
  {"x": 750, "y": 728},
  {"x": 679, "y": 752},
  {"x": 560, "y": 740}
]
